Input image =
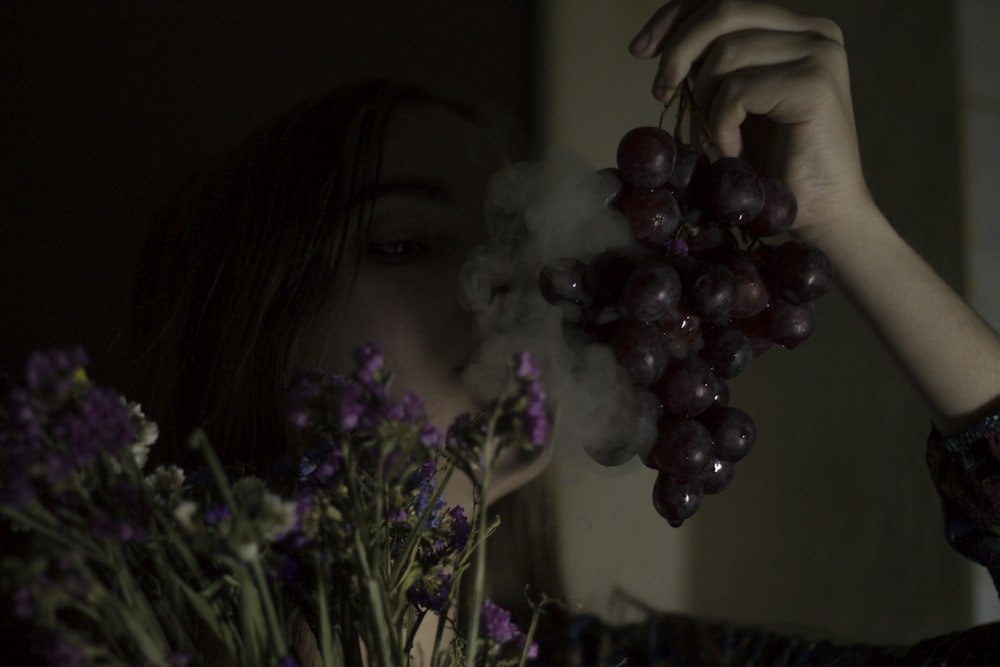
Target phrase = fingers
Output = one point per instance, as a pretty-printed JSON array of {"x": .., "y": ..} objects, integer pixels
[
  {"x": 754, "y": 49},
  {"x": 647, "y": 43},
  {"x": 683, "y": 33}
]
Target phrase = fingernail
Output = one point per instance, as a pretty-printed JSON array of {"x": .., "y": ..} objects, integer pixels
[
  {"x": 640, "y": 42},
  {"x": 659, "y": 86}
]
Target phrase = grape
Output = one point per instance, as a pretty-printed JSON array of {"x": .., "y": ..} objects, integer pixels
[
  {"x": 708, "y": 239},
  {"x": 728, "y": 351},
  {"x": 690, "y": 159},
  {"x": 720, "y": 393},
  {"x": 731, "y": 191},
  {"x": 686, "y": 389},
  {"x": 690, "y": 305},
  {"x": 653, "y": 215},
  {"x": 646, "y": 157},
  {"x": 680, "y": 325},
  {"x": 789, "y": 325},
  {"x": 758, "y": 330},
  {"x": 709, "y": 291},
  {"x": 732, "y": 430},
  {"x": 716, "y": 476},
  {"x": 604, "y": 186},
  {"x": 563, "y": 281},
  {"x": 606, "y": 275},
  {"x": 752, "y": 295},
  {"x": 640, "y": 348},
  {"x": 651, "y": 292},
  {"x": 780, "y": 209},
  {"x": 683, "y": 448},
  {"x": 676, "y": 499},
  {"x": 801, "y": 272}
]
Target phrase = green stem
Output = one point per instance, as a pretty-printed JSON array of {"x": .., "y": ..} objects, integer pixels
[
  {"x": 377, "y": 611},
  {"x": 277, "y": 632},
  {"x": 480, "y": 573}
]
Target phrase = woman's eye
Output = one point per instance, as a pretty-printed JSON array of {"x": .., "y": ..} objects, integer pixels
[{"x": 397, "y": 251}]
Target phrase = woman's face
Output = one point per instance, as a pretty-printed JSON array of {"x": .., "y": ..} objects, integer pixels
[{"x": 427, "y": 217}]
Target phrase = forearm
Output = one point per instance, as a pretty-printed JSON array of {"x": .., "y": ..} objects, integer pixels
[{"x": 950, "y": 353}]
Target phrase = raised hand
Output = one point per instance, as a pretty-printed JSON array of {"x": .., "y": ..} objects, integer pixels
[{"x": 775, "y": 90}]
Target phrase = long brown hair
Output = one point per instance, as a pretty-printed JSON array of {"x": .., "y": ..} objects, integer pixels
[{"x": 241, "y": 257}]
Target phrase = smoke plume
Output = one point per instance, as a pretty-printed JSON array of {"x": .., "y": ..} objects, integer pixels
[{"x": 537, "y": 213}]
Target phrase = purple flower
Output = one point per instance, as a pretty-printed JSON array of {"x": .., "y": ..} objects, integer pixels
[
  {"x": 536, "y": 414},
  {"x": 288, "y": 661},
  {"x": 52, "y": 371},
  {"x": 460, "y": 528},
  {"x": 100, "y": 422},
  {"x": 497, "y": 624},
  {"x": 430, "y": 437},
  {"x": 525, "y": 367},
  {"x": 409, "y": 409},
  {"x": 427, "y": 490},
  {"x": 499, "y": 628},
  {"x": 430, "y": 591},
  {"x": 216, "y": 514},
  {"x": 678, "y": 247}
]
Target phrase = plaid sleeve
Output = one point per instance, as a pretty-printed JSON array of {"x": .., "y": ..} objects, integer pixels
[{"x": 966, "y": 471}]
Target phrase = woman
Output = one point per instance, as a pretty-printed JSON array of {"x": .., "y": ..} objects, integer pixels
[{"x": 347, "y": 222}]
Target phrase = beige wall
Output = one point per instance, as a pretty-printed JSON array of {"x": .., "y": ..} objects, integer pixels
[{"x": 831, "y": 525}]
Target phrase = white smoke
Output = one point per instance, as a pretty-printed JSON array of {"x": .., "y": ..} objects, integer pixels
[{"x": 537, "y": 213}]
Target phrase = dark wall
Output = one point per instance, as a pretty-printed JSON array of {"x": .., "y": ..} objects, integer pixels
[{"x": 105, "y": 106}]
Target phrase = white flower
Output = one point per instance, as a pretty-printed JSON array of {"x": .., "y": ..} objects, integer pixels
[
  {"x": 166, "y": 480},
  {"x": 184, "y": 513},
  {"x": 277, "y": 517},
  {"x": 247, "y": 551},
  {"x": 271, "y": 515},
  {"x": 146, "y": 434}
]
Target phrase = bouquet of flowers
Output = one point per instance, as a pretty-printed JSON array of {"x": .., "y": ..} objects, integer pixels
[{"x": 117, "y": 565}]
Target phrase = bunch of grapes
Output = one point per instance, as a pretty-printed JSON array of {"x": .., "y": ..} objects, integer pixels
[{"x": 693, "y": 301}]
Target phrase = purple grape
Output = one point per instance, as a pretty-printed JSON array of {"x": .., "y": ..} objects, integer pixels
[
  {"x": 562, "y": 280},
  {"x": 606, "y": 275},
  {"x": 800, "y": 271},
  {"x": 603, "y": 186},
  {"x": 720, "y": 393},
  {"x": 652, "y": 215},
  {"x": 752, "y": 295},
  {"x": 640, "y": 348},
  {"x": 708, "y": 239},
  {"x": 731, "y": 191},
  {"x": 680, "y": 324},
  {"x": 732, "y": 430},
  {"x": 716, "y": 476},
  {"x": 683, "y": 448},
  {"x": 728, "y": 351},
  {"x": 676, "y": 500},
  {"x": 687, "y": 388},
  {"x": 690, "y": 159},
  {"x": 709, "y": 291},
  {"x": 780, "y": 209},
  {"x": 651, "y": 292},
  {"x": 646, "y": 157},
  {"x": 758, "y": 330},
  {"x": 790, "y": 325}
]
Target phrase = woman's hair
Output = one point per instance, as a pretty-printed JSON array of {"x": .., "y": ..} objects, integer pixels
[{"x": 241, "y": 258}]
